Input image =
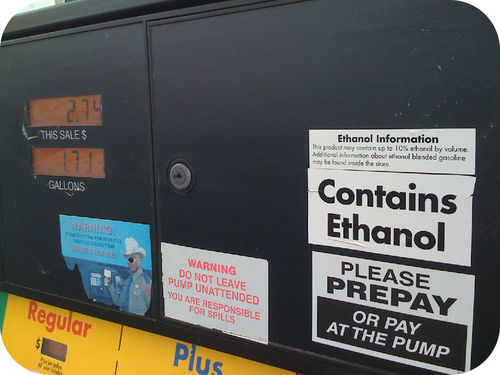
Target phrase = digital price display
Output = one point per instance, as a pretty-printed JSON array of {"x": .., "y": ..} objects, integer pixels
[
  {"x": 69, "y": 161},
  {"x": 54, "y": 349},
  {"x": 83, "y": 110}
]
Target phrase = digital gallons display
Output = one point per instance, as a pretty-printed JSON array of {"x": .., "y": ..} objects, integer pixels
[
  {"x": 68, "y": 161},
  {"x": 68, "y": 111}
]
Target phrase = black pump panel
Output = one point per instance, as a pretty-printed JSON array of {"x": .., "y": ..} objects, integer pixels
[
  {"x": 309, "y": 184},
  {"x": 109, "y": 62}
]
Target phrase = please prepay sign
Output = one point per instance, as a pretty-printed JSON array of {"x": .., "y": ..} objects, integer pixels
[{"x": 412, "y": 315}]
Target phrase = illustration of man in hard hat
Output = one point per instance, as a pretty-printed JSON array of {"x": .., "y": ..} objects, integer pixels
[{"x": 135, "y": 295}]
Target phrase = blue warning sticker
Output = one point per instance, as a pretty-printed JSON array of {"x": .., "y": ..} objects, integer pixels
[{"x": 114, "y": 260}]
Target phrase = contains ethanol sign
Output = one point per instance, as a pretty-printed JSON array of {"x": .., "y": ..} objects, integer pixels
[
  {"x": 408, "y": 215},
  {"x": 406, "y": 314},
  {"x": 358, "y": 202}
]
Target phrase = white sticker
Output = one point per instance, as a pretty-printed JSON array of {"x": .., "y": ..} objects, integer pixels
[
  {"x": 425, "y": 217},
  {"x": 216, "y": 290},
  {"x": 406, "y": 314},
  {"x": 394, "y": 150}
]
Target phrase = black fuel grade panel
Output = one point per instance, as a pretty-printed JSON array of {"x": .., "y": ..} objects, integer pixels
[
  {"x": 109, "y": 62},
  {"x": 232, "y": 92}
]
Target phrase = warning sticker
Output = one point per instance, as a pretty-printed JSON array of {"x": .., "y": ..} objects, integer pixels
[
  {"x": 397, "y": 150},
  {"x": 216, "y": 290},
  {"x": 114, "y": 260},
  {"x": 427, "y": 217},
  {"x": 410, "y": 315}
]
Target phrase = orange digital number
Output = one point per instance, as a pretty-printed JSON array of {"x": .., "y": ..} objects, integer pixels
[
  {"x": 74, "y": 162},
  {"x": 83, "y": 110}
]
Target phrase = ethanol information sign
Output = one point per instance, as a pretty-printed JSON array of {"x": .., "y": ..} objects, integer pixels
[{"x": 407, "y": 194}]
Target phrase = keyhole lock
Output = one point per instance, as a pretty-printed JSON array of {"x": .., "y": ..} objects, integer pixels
[{"x": 181, "y": 177}]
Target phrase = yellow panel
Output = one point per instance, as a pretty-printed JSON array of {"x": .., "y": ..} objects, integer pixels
[
  {"x": 162, "y": 355},
  {"x": 94, "y": 347},
  {"x": 92, "y": 343}
]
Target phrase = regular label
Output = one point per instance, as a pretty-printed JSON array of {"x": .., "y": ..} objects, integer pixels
[
  {"x": 216, "y": 290},
  {"x": 397, "y": 150},
  {"x": 426, "y": 217},
  {"x": 410, "y": 315}
]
